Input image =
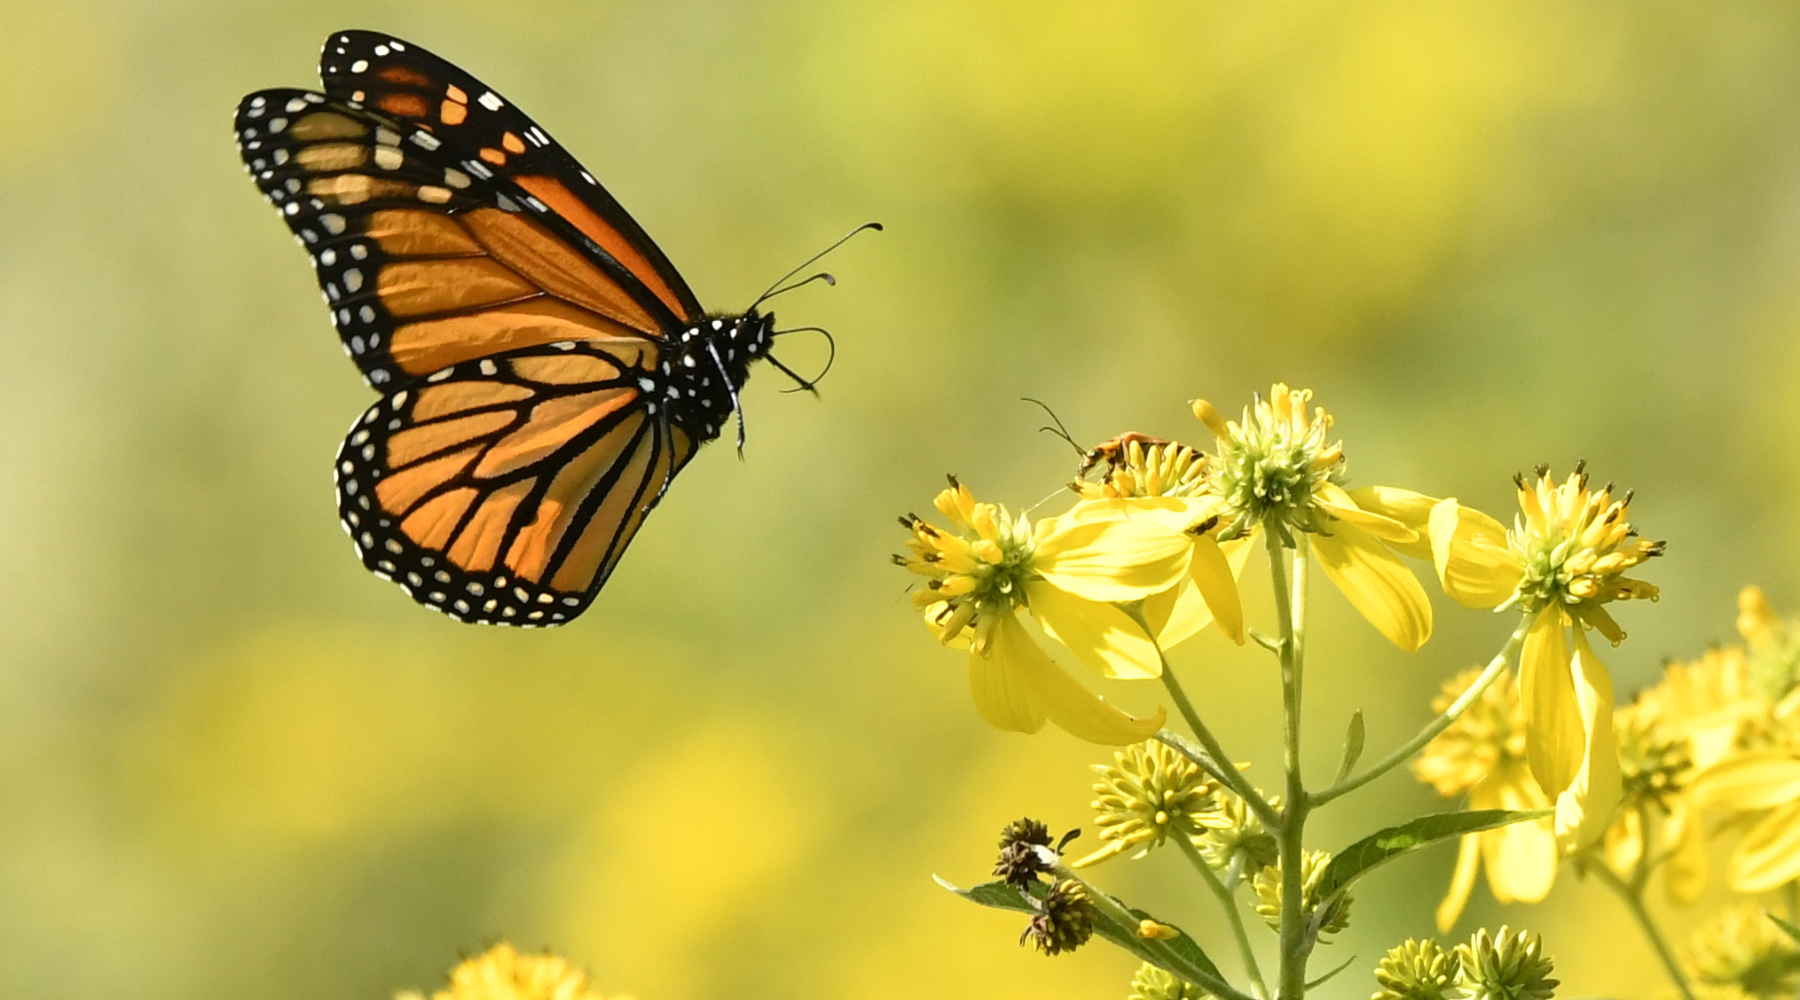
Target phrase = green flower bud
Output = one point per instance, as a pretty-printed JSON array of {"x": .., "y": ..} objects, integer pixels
[
  {"x": 1503, "y": 967},
  {"x": 1416, "y": 970},
  {"x": 1152, "y": 983}
]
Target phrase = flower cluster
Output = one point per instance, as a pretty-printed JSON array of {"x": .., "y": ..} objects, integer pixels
[
  {"x": 1149, "y": 555},
  {"x": 1500, "y": 966},
  {"x": 1149, "y": 552}
]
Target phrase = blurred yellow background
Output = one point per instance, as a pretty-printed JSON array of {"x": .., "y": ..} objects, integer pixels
[{"x": 234, "y": 765}]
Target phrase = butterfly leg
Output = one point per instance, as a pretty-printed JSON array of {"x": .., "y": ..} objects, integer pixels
[{"x": 732, "y": 389}]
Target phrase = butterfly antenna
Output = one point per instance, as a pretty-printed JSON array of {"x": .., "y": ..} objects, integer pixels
[
  {"x": 830, "y": 359},
  {"x": 803, "y": 282},
  {"x": 1059, "y": 430},
  {"x": 810, "y": 261},
  {"x": 736, "y": 408}
]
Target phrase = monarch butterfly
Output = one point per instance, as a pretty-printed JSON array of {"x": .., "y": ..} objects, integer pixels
[{"x": 545, "y": 370}]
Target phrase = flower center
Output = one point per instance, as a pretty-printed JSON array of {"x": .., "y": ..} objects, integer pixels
[
  {"x": 1273, "y": 463},
  {"x": 1575, "y": 545}
]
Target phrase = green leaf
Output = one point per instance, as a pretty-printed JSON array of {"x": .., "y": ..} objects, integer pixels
[
  {"x": 1353, "y": 747},
  {"x": 1327, "y": 977},
  {"x": 1786, "y": 928},
  {"x": 1365, "y": 855},
  {"x": 998, "y": 895},
  {"x": 1183, "y": 949}
]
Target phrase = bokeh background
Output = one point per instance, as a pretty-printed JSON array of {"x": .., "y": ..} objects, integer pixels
[{"x": 233, "y": 765}]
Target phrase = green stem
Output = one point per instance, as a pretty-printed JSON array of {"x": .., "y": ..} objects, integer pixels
[
  {"x": 1634, "y": 901},
  {"x": 1290, "y": 610},
  {"x": 1406, "y": 750},
  {"x": 1228, "y": 903},
  {"x": 1221, "y": 766}
]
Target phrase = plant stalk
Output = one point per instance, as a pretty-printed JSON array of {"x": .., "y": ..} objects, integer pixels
[
  {"x": 1228, "y": 903},
  {"x": 1634, "y": 901},
  {"x": 1405, "y": 751},
  {"x": 1290, "y": 609}
]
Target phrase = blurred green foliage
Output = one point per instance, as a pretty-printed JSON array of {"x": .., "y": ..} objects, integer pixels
[{"x": 233, "y": 765}]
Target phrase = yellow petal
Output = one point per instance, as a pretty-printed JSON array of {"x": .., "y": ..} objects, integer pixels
[
  {"x": 1049, "y": 692},
  {"x": 1624, "y": 843},
  {"x": 1585, "y": 809},
  {"x": 1002, "y": 693},
  {"x": 1215, "y": 575},
  {"x": 1521, "y": 857},
  {"x": 1474, "y": 564},
  {"x": 1553, "y": 736},
  {"x": 1405, "y": 506},
  {"x": 1121, "y": 561},
  {"x": 1755, "y": 779},
  {"x": 1174, "y": 513},
  {"x": 1757, "y": 621},
  {"x": 1100, "y": 635},
  {"x": 1181, "y": 611},
  {"x": 1468, "y": 863},
  {"x": 1377, "y": 583},
  {"x": 1769, "y": 855},
  {"x": 1339, "y": 504},
  {"x": 1685, "y": 871}
]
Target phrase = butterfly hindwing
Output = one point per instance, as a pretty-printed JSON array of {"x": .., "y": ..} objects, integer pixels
[
  {"x": 491, "y": 134},
  {"x": 504, "y": 490}
]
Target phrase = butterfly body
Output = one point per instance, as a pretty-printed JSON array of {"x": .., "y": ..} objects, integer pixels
[{"x": 545, "y": 371}]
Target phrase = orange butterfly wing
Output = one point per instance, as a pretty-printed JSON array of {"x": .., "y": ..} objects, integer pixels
[
  {"x": 416, "y": 87},
  {"x": 504, "y": 490}
]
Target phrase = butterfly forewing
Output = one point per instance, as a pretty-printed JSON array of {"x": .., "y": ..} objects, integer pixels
[
  {"x": 504, "y": 490},
  {"x": 422, "y": 263},
  {"x": 492, "y": 135}
]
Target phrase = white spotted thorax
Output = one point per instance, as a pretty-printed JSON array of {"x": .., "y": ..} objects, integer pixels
[{"x": 703, "y": 369}]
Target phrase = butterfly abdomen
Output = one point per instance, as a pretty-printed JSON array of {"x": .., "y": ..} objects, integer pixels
[{"x": 706, "y": 365}]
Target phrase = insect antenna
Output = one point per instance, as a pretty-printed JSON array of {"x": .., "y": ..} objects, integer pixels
[
  {"x": 784, "y": 289},
  {"x": 1059, "y": 430},
  {"x": 777, "y": 289}
]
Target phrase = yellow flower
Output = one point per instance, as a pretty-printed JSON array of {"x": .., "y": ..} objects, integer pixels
[
  {"x": 1708, "y": 702},
  {"x": 501, "y": 973},
  {"x": 1747, "y": 743},
  {"x": 1563, "y": 560},
  {"x": 1655, "y": 821},
  {"x": 1742, "y": 953},
  {"x": 1765, "y": 785},
  {"x": 1071, "y": 575},
  {"x": 1482, "y": 755},
  {"x": 1148, "y": 793},
  {"x": 1165, "y": 482},
  {"x": 1267, "y": 883},
  {"x": 1774, "y": 653},
  {"x": 1278, "y": 472}
]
